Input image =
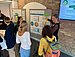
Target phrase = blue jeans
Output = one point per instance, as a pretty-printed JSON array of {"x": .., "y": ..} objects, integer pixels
[{"x": 24, "y": 53}]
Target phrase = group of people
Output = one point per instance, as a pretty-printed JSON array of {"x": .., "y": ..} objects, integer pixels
[
  {"x": 15, "y": 35},
  {"x": 49, "y": 35},
  {"x": 20, "y": 34}
]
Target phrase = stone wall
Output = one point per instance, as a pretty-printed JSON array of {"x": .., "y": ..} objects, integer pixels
[
  {"x": 67, "y": 37},
  {"x": 50, "y": 4}
]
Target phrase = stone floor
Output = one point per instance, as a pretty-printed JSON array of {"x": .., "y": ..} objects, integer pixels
[
  {"x": 35, "y": 45},
  {"x": 67, "y": 37},
  {"x": 34, "y": 48}
]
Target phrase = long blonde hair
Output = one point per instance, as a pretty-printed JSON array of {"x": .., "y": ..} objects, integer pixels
[{"x": 22, "y": 28}]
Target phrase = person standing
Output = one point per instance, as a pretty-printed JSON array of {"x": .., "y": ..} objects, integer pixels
[
  {"x": 46, "y": 34},
  {"x": 3, "y": 47},
  {"x": 17, "y": 46},
  {"x": 46, "y": 40},
  {"x": 55, "y": 25},
  {"x": 23, "y": 37},
  {"x": 20, "y": 19},
  {"x": 10, "y": 36}
]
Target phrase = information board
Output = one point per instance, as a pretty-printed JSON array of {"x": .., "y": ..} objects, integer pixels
[
  {"x": 67, "y": 9},
  {"x": 37, "y": 21}
]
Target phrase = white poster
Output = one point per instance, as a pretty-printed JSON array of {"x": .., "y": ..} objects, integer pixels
[
  {"x": 37, "y": 21},
  {"x": 67, "y": 9},
  {"x": 36, "y": 18}
]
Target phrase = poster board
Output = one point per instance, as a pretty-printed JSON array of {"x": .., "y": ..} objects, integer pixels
[
  {"x": 67, "y": 10},
  {"x": 37, "y": 22}
]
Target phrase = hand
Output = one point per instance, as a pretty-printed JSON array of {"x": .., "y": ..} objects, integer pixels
[
  {"x": 20, "y": 33},
  {"x": 1, "y": 34}
]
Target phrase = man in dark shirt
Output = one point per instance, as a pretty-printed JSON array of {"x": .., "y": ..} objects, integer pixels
[{"x": 10, "y": 36}]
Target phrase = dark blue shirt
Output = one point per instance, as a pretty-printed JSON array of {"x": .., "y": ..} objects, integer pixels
[{"x": 9, "y": 36}]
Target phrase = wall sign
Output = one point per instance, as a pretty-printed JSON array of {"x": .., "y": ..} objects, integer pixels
[{"x": 67, "y": 9}]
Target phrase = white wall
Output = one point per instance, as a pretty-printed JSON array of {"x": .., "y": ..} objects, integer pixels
[
  {"x": 14, "y": 4},
  {"x": 5, "y": 9}
]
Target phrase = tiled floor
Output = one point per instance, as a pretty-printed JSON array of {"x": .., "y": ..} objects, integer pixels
[{"x": 64, "y": 55}]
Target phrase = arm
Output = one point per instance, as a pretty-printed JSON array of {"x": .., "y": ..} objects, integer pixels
[
  {"x": 50, "y": 21},
  {"x": 1, "y": 34},
  {"x": 3, "y": 44},
  {"x": 40, "y": 50},
  {"x": 17, "y": 39},
  {"x": 28, "y": 39}
]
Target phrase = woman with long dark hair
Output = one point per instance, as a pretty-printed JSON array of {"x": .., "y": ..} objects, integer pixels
[
  {"x": 46, "y": 34},
  {"x": 55, "y": 25}
]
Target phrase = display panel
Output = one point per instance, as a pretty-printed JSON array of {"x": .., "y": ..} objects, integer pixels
[
  {"x": 67, "y": 10},
  {"x": 37, "y": 21},
  {"x": 38, "y": 18}
]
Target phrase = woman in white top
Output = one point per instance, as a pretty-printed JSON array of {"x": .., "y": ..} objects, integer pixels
[{"x": 23, "y": 37}]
